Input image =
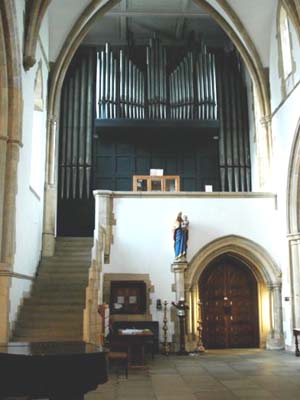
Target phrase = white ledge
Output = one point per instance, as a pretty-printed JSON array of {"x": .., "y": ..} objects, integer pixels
[{"x": 205, "y": 195}]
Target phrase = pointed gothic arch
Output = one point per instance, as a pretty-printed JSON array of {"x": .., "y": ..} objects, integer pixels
[
  {"x": 92, "y": 12},
  {"x": 293, "y": 224},
  {"x": 255, "y": 256},
  {"x": 264, "y": 269}
]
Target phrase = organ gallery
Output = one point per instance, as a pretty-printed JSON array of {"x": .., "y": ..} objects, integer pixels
[{"x": 126, "y": 110}]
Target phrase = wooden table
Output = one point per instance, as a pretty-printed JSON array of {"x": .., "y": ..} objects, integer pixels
[
  {"x": 296, "y": 332},
  {"x": 136, "y": 340}
]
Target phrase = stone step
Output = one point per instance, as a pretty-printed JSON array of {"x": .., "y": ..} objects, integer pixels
[
  {"x": 40, "y": 315},
  {"x": 50, "y": 323},
  {"x": 72, "y": 295},
  {"x": 61, "y": 239},
  {"x": 46, "y": 339},
  {"x": 47, "y": 331},
  {"x": 52, "y": 289},
  {"x": 66, "y": 261},
  {"x": 55, "y": 309},
  {"x": 68, "y": 268},
  {"x": 54, "y": 300},
  {"x": 75, "y": 278},
  {"x": 73, "y": 242},
  {"x": 70, "y": 308},
  {"x": 49, "y": 336}
]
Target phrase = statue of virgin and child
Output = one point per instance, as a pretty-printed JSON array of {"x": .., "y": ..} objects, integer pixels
[{"x": 181, "y": 236}]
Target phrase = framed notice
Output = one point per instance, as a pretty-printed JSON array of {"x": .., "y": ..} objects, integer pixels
[
  {"x": 132, "y": 299},
  {"x": 128, "y": 297}
]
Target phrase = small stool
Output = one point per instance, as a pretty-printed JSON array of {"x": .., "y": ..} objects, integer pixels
[{"x": 121, "y": 357}]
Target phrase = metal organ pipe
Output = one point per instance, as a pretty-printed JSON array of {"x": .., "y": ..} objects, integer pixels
[
  {"x": 64, "y": 143},
  {"x": 89, "y": 127},
  {"x": 75, "y": 133},
  {"x": 70, "y": 134},
  {"x": 82, "y": 127}
]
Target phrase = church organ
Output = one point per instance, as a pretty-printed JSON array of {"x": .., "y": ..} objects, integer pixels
[
  {"x": 158, "y": 91},
  {"x": 125, "y": 110}
]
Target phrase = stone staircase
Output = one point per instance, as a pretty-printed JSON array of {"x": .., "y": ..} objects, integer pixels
[{"x": 54, "y": 311}]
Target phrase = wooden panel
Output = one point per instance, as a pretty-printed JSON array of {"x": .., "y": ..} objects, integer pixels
[
  {"x": 191, "y": 156},
  {"x": 128, "y": 297},
  {"x": 229, "y": 296}
]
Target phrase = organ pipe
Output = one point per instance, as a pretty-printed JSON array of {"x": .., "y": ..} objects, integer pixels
[
  {"x": 77, "y": 129},
  {"x": 200, "y": 85},
  {"x": 234, "y": 151}
]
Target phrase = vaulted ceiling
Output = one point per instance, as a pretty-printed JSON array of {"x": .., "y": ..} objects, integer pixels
[{"x": 173, "y": 19}]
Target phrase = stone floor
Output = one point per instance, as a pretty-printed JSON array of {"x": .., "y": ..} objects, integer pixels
[{"x": 215, "y": 375}]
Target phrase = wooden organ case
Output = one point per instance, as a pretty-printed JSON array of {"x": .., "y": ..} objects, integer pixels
[{"x": 126, "y": 110}]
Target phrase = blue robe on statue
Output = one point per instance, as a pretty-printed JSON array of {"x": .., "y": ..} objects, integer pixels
[{"x": 180, "y": 242}]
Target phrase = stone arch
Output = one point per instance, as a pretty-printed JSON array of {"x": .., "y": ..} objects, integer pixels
[
  {"x": 92, "y": 12},
  {"x": 10, "y": 143},
  {"x": 293, "y": 185},
  {"x": 293, "y": 228},
  {"x": 256, "y": 257},
  {"x": 266, "y": 272},
  {"x": 294, "y": 14}
]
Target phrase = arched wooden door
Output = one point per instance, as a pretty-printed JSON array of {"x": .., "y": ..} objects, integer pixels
[{"x": 228, "y": 292}]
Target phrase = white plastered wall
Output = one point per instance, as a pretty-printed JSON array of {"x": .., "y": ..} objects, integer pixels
[
  {"x": 285, "y": 117},
  {"x": 29, "y": 204},
  {"x": 143, "y": 240}
]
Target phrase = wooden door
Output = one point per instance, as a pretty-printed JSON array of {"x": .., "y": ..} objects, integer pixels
[{"x": 228, "y": 291}]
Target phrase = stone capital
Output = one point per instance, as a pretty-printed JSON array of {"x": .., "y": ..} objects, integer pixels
[
  {"x": 5, "y": 267},
  {"x": 266, "y": 121},
  {"x": 293, "y": 237},
  {"x": 179, "y": 266}
]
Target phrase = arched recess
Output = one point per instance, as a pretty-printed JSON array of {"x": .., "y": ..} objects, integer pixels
[
  {"x": 293, "y": 218},
  {"x": 293, "y": 11},
  {"x": 266, "y": 272},
  {"x": 95, "y": 9},
  {"x": 10, "y": 142}
]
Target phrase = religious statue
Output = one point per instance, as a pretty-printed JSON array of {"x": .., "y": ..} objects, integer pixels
[{"x": 181, "y": 235}]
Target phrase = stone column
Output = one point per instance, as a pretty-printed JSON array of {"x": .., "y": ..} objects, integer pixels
[
  {"x": 294, "y": 245},
  {"x": 179, "y": 267},
  {"x": 9, "y": 215},
  {"x": 104, "y": 219},
  {"x": 275, "y": 339},
  {"x": 264, "y": 142},
  {"x": 5, "y": 283},
  {"x": 50, "y": 201}
]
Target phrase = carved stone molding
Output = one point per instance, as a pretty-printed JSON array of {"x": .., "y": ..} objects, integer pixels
[{"x": 35, "y": 11}]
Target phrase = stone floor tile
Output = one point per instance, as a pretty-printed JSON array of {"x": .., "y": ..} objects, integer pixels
[
  {"x": 252, "y": 394},
  {"x": 240, "y": 384},
  {"x": 227, "y": 395},
  {"x": 217, "y": 375}
]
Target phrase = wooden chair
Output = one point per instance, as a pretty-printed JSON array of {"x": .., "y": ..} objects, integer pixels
[{"x": 120, "y": 359}]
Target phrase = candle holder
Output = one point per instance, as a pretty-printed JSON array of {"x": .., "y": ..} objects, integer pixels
[
  {"x": 166, "y": 348},
  {"x": 200, "y": 346}
]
